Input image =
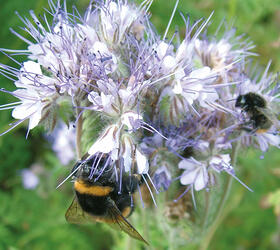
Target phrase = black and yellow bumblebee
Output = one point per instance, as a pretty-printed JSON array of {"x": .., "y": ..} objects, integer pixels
[
  {"x": 98, "y": 198},
  {"x": 255, "y": 106}
]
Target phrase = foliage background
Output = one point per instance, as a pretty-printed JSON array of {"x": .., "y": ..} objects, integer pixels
[{"x": 34, "y": 219}]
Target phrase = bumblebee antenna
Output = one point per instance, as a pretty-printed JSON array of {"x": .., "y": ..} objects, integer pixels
[
  {"x": 231, "y": 100},
  {"x": 72, "y": 173},
  {"x": 76, "y": 167}
]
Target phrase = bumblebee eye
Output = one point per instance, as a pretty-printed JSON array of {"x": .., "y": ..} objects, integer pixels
[{"x": 86, "y": 169}]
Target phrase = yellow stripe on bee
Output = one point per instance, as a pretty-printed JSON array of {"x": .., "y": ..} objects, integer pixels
[
  {"x": 126, "y": 211},
  {"x": 260, "y": 131},
  {"x": 107, "y": 219},
  {"x": 82, "y": 188}
]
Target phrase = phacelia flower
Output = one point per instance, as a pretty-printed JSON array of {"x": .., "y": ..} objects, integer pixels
[
  {"x": 169, "y": 111},
  {"x": 195, "y": 173}
]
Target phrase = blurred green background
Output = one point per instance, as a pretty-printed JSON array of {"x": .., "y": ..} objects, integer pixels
[{"x": 34, "y": 219}]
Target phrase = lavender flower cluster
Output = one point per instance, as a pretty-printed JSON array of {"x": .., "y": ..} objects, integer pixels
[{"x": 169, "y": 109}]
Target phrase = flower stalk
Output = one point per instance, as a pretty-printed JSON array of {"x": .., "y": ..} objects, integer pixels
[
  {"x": 205, "y": 242},
  {"x": 79, "y": 132}
]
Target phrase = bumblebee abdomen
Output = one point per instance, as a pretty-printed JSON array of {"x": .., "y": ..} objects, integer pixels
[
  {"x": 94, "y": 205},
  {"x": 93, "y": 199},
  {"x": 123, "y": 203}
]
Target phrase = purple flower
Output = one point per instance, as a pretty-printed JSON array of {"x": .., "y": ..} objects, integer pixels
[
  {"x": 29, "y": 179},
  {"x": 162, "y": 178},
  {"x": 63, "y": 143},
  {"x": 195, "y": 173}
]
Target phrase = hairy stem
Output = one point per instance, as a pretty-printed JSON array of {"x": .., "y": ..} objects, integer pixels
[
  {"x": 79, "y": 130},
  {"x": 207, "y": 239},
  {"x": 207, "y": 208}
]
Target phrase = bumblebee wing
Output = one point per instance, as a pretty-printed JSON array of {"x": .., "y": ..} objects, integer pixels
[
  {"x": 270, "y": 115},
  {"x": 120, "y": 222},
  {"x": 266, "y": 111},
  {"x": 76, "y": 215}
]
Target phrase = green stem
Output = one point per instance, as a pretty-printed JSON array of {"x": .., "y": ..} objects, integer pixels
[
  {"x": 146, "y": 227},
  {"x": 217, "y": 221},
  {"x": 207, "y": 208},
  {"x": 207, "y": 240},
  {"x": 79, "y": 129},
  {"x": 207, "y": 199}
]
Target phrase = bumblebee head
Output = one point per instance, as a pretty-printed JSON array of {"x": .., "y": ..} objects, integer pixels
[
  {"x": 90, "y": 169},
  {"x": 250, "y": 101},
  {"x": 240, "y": 101}
]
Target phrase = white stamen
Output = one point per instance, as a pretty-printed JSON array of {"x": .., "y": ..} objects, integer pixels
[{"x": 170, "y": 20}]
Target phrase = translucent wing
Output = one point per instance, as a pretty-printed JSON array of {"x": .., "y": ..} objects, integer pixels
[
  {"x": 76, "y": 215},
  {"x": 270, "y": 115},
  {"x": 120, "y": 222},
  {"x": 266, "y": 111},
  {"x": 115, "y": 219}
]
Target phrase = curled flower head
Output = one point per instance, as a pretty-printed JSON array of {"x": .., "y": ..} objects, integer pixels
[
  {"x": 71, "y": 60},
  {"x": 118, "y": 19}
]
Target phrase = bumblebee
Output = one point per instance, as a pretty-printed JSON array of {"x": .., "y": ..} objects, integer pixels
[
  {"x": 255, "y": 107},
  {"x": 97, "y": 197}
]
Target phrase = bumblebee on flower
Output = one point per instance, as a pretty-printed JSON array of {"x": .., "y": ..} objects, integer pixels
[
  {"x": 258, "y": 105},
  {"x": 173, "y": 112}
]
